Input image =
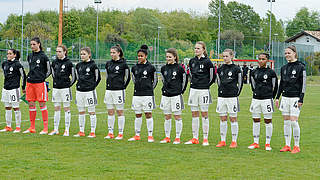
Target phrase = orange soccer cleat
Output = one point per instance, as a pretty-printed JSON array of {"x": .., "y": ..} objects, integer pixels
[{"x": 221, "y": 144}]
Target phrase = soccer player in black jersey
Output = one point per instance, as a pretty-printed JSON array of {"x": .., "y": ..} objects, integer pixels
[
  {"x": 229, "y": 79},
  {"x": 174, "y": 81},
  {"x": 202, "y": 77},
  {"x": 117, "y": 80},
  {"x": 13, "y": 71},
  {"x": 144, "y": 77},
  {"x": 292, "y": 87},
  {"x": 264, "y": 85}
]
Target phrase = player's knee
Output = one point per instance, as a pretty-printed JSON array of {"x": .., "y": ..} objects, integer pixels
[
  {"x": 267, "y": 121},
  {"x": 148, "y": 115},
  {"x": 138, "y": 115}
]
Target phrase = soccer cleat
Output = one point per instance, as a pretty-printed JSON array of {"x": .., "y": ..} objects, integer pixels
[
  {"x": 221, "y": 144},
  {"x": 43, "y": 132},
  {"x": 192, "y": 141},
  {"x": 268, "y": 147},
  {"x": 66, "y": 133},
  {"x": 295, "y": 149},
  {"x": 233, "y": 144},
  {"x": 205, "y": 142},
  {"x": 29, "y": 131},
  {"x": 54, "y": 132},
  {"x": 165, "y": 140},
  {"x": 176, "y": 141},
  {"x": 17, "y": 130},
  {"x": 92, "y": 135},
  {"x": 285, "y": 148},
  {"x": 150, "y": 139},
  {"x": 134, "y": 138},
  {"x": 254, "y": 146},
  {"x": 109, "y": 136},
  {"x": 80, "y": 134},
  {"x": 6, "y": 129},
  {"x": 119, "y": 137}
]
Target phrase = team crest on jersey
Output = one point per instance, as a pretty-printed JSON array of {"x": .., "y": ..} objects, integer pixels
[
  {"x": 201, "y": 66},
  {"x": 38, "y": 62},
  {"x": 294, "y": 72},
  {"x": 11, "y": 69},
  {"x": 144, "y": 74},
  {"x": 265, "y": 76},
  {"x": 87, "y": 70},
  {"x": 229, "y": 74},
  {"x": 62, "y": 68},
  {"x": 174, "y": 74},
  {"x": 117, "y": 69}
]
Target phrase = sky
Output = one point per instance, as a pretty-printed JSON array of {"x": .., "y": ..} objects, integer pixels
[{"x": 283, "y": 9}]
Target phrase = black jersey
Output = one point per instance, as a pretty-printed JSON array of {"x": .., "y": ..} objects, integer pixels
[
  {"x": 201, "y": 72},
  {"x": 293, "y": 80},
  {"x": 61, "y": 72},
  {"x": 264, "y": 83},
  {"x": 174, "y": 80},
  {"x": 88, "y": 76},
  {"x": 12, "y": 71},
  {"x": 144, "y": 77},
  {"x": 39, "y": 67},
  {"x": 229, "y": 79},
  {"x": 117, "y": 74}
]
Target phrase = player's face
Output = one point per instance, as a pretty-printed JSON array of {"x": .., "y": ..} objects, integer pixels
[
  {"x": 35, "y": 46},
  {"x": 10, "y": 55},
  {"x": 115, "y": 55},
  {"x": 290, "y": 55},
  {"x": 263, "y": 60},
  {"x": 170, "y": 58},
  {"x": 227, "y": 57},
  {"x": 60, "y": 53},
  {"x": 198, "y": 50},
  {"x": 142, "y": 57},
  {"x": 84, "y": 55}
]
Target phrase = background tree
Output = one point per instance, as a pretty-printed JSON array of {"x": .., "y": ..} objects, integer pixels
[{"x": 304, "y": 20}]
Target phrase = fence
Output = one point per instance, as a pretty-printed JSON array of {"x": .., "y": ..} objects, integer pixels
[{"x": 246, "y": 49}]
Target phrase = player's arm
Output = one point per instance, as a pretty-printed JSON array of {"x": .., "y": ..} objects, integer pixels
[
  {"x": 23, "y": 77},
  {"x": 304, "y": 85},
  {"x": 240, "y": 82},
  {"x": 184, "y": 80},
  {"x": 48, "y": 67},
  {"x": 126, "y": 76},
  {"x": 73, "y": 76},
  {"x": 97, "y": 75},
  {"x": 155, "y": 78},
  {"x": 274, "y": 84},
  {"x": 212, "y": 74}
]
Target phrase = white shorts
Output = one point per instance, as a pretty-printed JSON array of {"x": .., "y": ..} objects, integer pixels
[
  {"x": 228, "y": 105},
  {"x": 289, "y": 106},
  {"x": 114, "y": 98},
  {"x": 11, "y": 98},
  {"x": 86, "y": 99},
  {"x": 172, "y": 104},
  {"x": 198, "y": 97},
  {"x": 61, "y": 95},
  {"x": 264, "y": 106},
  {"x": 143, "y": 103}
]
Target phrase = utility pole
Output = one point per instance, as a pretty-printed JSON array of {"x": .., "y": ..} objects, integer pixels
[
  {"x": 271, "y": 1},
  {"x": 22, "y": 30},
  {"x": 219, "y": 29},
  {"x": 60, "y": 22}
]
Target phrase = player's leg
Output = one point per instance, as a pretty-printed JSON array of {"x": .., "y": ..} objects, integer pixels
[
  {"x": 67, "y": 118},
  {"x": 44, "y": 113},
  {"x": 8, "y": 116},
  {"x": 167, "y": 127},
  {"x": 137, "y": 107},
  {"x": 121, "y": 121},
  {"x": 287, "y": 130},
  {"x": 222, "y": 111},
  {"x": 93, "y": 121},
  {"x": 56, "y": 119},
  {"x": 17, "y": 114}
]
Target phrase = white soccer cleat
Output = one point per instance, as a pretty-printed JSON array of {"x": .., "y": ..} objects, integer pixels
[
  {"x": 205, "y": 142},
  {"x": 268, "y": 147},
  {"x": 119, "y": 137},
  {"x": 54, "y": 132},
  {"x": 66, "y": 133},
  {"x": 17, "y": 130}
]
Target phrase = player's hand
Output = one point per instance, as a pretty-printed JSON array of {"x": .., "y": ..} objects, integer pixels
[
  {"x": 299, "y": 104},
  {"x": 277, "y": 103}
]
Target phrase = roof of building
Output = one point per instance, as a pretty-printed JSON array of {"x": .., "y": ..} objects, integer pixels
[{"x": 314, "y": 34}]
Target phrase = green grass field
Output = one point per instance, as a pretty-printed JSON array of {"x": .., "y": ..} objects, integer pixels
[{"x": 35, "y": 156}]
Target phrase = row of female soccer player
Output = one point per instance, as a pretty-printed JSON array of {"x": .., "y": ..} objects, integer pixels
[{"x": 264, "y": 84}]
